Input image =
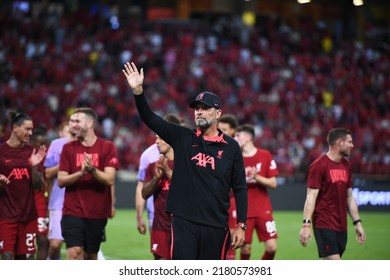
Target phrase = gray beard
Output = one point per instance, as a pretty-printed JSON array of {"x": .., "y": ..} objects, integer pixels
[{"x": 203, "y": 124}]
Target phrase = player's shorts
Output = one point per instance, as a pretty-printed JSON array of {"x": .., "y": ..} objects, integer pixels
[
  {"x": 265, "y": 229},
  {"x": 43, "y": 220},
  {"x": 160, "y": 244},
  {"x": 18, "y": 237},
  {"x": 330, "y": 242},
  {"x": 80, "y": 232},
  {"x": 55, "y": 225},
  {"x": 232, "y": 213},
  {"x": 191, "y": 241}
]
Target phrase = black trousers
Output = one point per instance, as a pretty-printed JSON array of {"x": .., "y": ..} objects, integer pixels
[{"x": 193, "y": 241}]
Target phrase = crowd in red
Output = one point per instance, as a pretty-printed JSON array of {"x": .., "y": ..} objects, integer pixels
[{"x": 292, "y": 84}]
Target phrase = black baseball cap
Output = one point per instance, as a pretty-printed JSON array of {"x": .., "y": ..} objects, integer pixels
[{"x": 207, "y": 98}]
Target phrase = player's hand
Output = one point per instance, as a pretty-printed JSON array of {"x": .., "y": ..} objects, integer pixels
[
  {"x": 305, "y": 235},
  {"x": 37, "y": 156},
  {"x": 113, "y": 212},
  {"x": 360, "y": 234},
  {"x": 3, "y": 182},
  {"x": 87, "y": 164},
  {"x": 238, "y": 238},
  {"x": 141, "y": 226},
  {"x": 134, "y": 77}
]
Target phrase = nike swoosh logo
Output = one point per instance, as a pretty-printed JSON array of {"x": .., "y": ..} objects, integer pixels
[
  {"x": 30, "y": 249},
  {"x": 8, "y": 160}
]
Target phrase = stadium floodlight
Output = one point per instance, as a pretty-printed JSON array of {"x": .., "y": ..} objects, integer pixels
[
  {"x": 303, "y": 1},
  {"x": 358, "y": 2}
]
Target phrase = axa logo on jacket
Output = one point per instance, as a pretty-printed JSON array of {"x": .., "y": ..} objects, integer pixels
[{"x": 204, "y": 159}]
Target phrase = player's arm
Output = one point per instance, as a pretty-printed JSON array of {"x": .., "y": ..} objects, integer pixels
[
  {"x": 305, "y": 233},
  {"x": 150, "y": 187},
  {"x": 49, "y": 186},
  {"x": 106, "y": 176},
  {"x": 51, "y": 172},
  {"x": 65, "y": 179},
  {"x": 37, "y": 180},
  {"x": 3, "y": 182},
  {"x": 139, "y": 207},
  {"x": 266, "y": 182},
  {"x": 354, "y": 214},
  {"x": 113, "y": 201}
]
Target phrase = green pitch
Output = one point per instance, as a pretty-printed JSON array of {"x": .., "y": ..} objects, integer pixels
[{"x": 125, "y": 243}]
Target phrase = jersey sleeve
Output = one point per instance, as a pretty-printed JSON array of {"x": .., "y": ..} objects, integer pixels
[
  {"x": 272, "y": 168},
  {"x": 111, "y": 157},
  {"x": 315, "y": 174},
  {"x": 169, "y": 132},
  {"x": 240, "y": 189}
]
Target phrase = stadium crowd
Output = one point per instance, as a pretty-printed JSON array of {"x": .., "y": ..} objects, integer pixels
[{"x": 292, "y": 84}]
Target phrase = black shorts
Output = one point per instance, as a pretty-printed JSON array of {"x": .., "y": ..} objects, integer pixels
[
  {"x": 330, "y": 242},
  {"x": 85, "y": 233},
  {"x": 193, "y": 241}
]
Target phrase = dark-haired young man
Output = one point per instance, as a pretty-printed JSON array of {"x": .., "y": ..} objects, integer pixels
[
  {"x": 18, "y": 177},
  {"x": 329, "y": 198},
  {"x": 228, "y": 123},
  {"x": 261, "y": 172}
]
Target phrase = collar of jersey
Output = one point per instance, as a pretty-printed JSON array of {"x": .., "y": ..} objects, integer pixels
[{"x": 218, "y": 138}]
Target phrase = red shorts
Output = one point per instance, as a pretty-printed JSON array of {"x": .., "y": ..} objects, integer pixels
[
  {"x": 43, "y": 219},
  {"x": 160, "y": 244},
  {"x": 18, "y": 237},
  {"x": 232, "y": 213},
  {"x": 265, "y": 229}
]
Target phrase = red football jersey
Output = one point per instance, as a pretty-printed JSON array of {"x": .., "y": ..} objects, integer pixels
[
  {"x": 17, "y": 202},
  {"x": 87, "y": 197},
  {"x": 161, "y": 220},
  {"x": 332, "y": 179},
  {"x": 259, "y": 203}
]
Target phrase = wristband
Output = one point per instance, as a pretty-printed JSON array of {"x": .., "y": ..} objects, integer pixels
[
  {"x": 243, "y": 226},
  {"x": 356, "y": 222},
  {"x": 306, "y": 221}
]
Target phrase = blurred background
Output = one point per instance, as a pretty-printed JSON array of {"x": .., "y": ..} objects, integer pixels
[{"x": 293, "y": 69}]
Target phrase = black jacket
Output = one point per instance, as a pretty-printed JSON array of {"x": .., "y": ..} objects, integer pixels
[{"x": 203, "y": 173}]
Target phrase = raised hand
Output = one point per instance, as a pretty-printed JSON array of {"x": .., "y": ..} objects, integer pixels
[
  {"x": 37, "y": 156},
  {"x": 134, "y": 77},
  {"x": 3, "y": 181}
]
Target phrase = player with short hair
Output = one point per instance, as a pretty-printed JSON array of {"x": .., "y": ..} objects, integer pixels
[
  {"x": 39, "y": 138},
  {"x": 150, "y": 155},
  {"x": 261, "y": 172},
  {"x": 56, "y": 198},
  {"x": 157, "y": 181},
  {"x": 87, "y": 171},
  {"x": 18, "y": 178},
  {"x": 329, "y": 199},
  {"x": 228, "y": 123},
  {"x": 207, "y": 164}
]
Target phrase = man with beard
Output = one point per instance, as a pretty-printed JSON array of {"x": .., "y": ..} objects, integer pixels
[
  {"x": 207, "y": 164},
  {"x": 87, "y": 171},
  {"x": 329, "y": 198}
]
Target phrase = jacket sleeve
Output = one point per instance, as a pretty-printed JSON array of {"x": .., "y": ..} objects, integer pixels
[
  {"x": 169, "y": 132},
  {"x": 240, "y": 189}
]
